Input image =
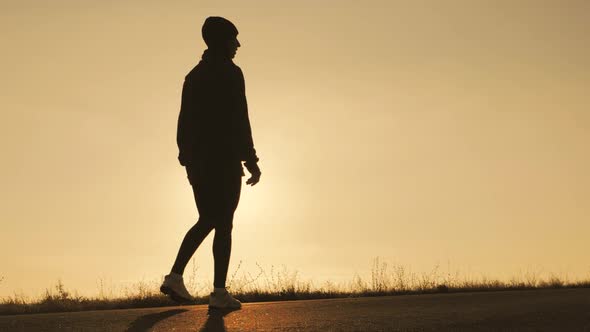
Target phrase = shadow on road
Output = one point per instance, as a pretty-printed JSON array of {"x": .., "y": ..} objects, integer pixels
[
  {"x": 144, "y": 323},
  {"x": 214, "y": 321}
]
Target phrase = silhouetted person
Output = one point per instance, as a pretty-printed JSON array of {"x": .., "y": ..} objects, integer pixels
[{"x": 214, "y": 138}]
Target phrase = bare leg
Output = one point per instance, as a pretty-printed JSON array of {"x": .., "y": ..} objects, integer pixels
[
  {"x": 217, "y": 193},
  {"x": 222, "y": 252},
  {"x": 192, "y": 240}
]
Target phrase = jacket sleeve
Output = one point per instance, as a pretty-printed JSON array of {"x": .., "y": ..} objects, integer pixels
[
  {"x": 248, "y": 151},
  {"x": 183, "y": 131},
  {"x": 190, "y": 123}
]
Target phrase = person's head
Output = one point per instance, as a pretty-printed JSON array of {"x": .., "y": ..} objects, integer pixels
[{"x": 221, "y": 35}]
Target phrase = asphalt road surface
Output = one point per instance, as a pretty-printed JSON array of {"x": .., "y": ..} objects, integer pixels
[{"x": 530, "y": 310}]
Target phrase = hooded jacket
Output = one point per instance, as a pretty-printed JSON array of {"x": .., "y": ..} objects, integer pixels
[{"x": 213, "y": 124}]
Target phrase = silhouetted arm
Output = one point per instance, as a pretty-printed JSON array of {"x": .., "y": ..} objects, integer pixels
[
  {"x": 249, "y": 153},
  {"x": 183, "y": 129},
  {"x": 192, "y": 123}
]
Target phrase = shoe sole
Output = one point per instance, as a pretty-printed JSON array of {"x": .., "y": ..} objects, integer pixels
[{"x": 173, "y": 295}]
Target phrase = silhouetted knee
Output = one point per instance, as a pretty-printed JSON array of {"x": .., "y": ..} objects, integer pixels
[
  {"x": 223, "y": 231},
  {"x": 223, "y": 227},
  {"x": 206, "y": 221}
]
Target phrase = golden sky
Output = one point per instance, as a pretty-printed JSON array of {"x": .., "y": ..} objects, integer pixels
[{"x": 423, "y": 132}]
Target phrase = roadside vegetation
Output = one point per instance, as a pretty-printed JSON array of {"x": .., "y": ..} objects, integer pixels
[{"x": 280, "y": 284}]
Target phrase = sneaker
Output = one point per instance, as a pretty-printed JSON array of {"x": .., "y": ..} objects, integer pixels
[
  {"x": 173, "y": 286},
  {"x": 223, "y": 300}
]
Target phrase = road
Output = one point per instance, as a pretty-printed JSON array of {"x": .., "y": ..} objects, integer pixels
[{"x": 530, "y": 310}]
